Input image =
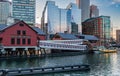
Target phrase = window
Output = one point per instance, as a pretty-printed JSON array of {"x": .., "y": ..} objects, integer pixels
[
  {"x": 24, "y": 32},
  {"x": 81, "y": 37},
  {"x": 12, "y": 40},
  {"x": 29, "y": 41},
  {"x": 18, "y": 32},
  {"x": 21, "y": 24},
  {"x": 23, "y": 41},
  {"x": 18, "y": 40}
]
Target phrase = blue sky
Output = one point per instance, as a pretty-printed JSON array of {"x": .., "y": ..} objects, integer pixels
[{"x": 109, "y": 8}]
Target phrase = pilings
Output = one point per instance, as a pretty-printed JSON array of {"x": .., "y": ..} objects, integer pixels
[
  {"x": 28, "y": 71},
  {"x": 19, "y": 53}
]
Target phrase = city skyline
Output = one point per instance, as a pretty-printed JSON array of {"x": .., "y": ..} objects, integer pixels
[{"x": 106, "y": 8}]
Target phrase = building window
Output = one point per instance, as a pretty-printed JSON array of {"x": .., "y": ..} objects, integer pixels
[
  {"x": 29, "y": 41},
  {"x": 21, "y": 24},
  {"x": 12, "y": 40},
  {"x": 18, "y": 32},
  {"x": 81, "y": 37},
  {"x": 23, "y": 41},
  {"x": 18, "y": 40},
  {"x": 24, "y": 32}
]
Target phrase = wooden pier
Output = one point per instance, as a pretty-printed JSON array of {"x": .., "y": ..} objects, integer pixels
[{"x": 30, "y": 71}]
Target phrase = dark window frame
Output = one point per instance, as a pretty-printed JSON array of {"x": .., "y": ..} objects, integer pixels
[
  {"x": 24, "y": 32},
  {"x": 18, "y": 32},
  {"x": 12, "y": 41},
  {"x": 29, "y": 41},
  {"x": 18, "y": 41},
  {"x": 21, "y": 24},
  {"x": 23, "y": 41}
]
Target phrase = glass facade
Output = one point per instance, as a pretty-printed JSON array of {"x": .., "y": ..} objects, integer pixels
[
  {"x": 24, "y": 10},
  {"x": 5, "y": 11},
  {"x": 56, "y": 18},
  {"x": 94, "y": 11},
  {"x": 60, "y": 20},
  {"x": 106, "y": 28},
  {"x": 73, "y": 16},
  {"x": 84, "y": 5}
]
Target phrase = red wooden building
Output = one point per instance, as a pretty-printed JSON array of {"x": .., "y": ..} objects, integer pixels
[{"x": 20, "y": 36}]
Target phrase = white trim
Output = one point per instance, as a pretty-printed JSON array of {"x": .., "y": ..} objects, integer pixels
[{"x": 25, "y": 47}]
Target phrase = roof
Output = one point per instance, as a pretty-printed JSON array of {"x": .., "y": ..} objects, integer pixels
[
  {"x": 52, "y": 35},
  {"x": 90, "y": 37},
  {"x": 2, "y": 27},
  {"x": 38, "y": 30},
  {"x": 67, "y": 36},
  {"x": 90, "y": 19}
]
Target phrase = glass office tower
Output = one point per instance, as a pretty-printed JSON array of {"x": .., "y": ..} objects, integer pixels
[
  {"x": 56, "y": 18},
  {"x": 24, "y": 10},
  {"x": 73, "y": 18},
  {"x": 60, "y": 20},
  {"x": 84, "y": 5},
  {"x": 5, "y": 11},
  {"x": 94, "y": 11},
  {"x": 106, "y": 27}
]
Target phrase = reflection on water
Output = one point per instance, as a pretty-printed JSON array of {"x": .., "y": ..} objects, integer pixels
[{"x": 101, "y": 64}]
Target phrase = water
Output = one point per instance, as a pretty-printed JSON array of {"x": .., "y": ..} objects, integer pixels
[{"x": 101, "y": 64}]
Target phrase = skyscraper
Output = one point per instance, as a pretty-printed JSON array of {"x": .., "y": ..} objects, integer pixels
[
  {"x": 5, "y": 11},
  {"x": 73, "y": 18},
  {"x": 61, "y": 20},
  {"x": 84, "y": 5},
  {"x": 24, "y": 10},
  {"x": 55, "y": 18},
  {"x": 94, "y": 11}
]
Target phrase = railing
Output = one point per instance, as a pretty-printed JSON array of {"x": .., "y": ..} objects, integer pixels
[{"x": 63, "y": 44}]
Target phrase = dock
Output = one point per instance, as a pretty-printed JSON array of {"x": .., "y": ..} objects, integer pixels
[{"x": 31, "y": 71}]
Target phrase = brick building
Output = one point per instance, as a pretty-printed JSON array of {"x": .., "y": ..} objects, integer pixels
[{"x": 20, "y": 36}]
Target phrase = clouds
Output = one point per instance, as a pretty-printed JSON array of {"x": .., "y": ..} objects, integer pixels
[{"x": 116, "y": 1}]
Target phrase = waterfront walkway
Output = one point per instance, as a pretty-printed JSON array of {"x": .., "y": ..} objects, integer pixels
[{"x": 29, "y": 71}]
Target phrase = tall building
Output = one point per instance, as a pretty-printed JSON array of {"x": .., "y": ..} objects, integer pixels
[
  {"x": 24, "y": 10},
  {"x": 98, "y": 26},
  {"x": 73, "y": 18},
  {"x": 60, "y": 20},
  {"x": 118, "y": 36},
  {"x": 94, "y": 11},
  {"x": 84, "y": 5},
  {"x": 5, "y": 11},
  {"x": 55, "y": 18}
]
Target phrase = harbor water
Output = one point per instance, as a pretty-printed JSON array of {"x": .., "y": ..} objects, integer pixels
[{"x": 107, "y": 64}]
